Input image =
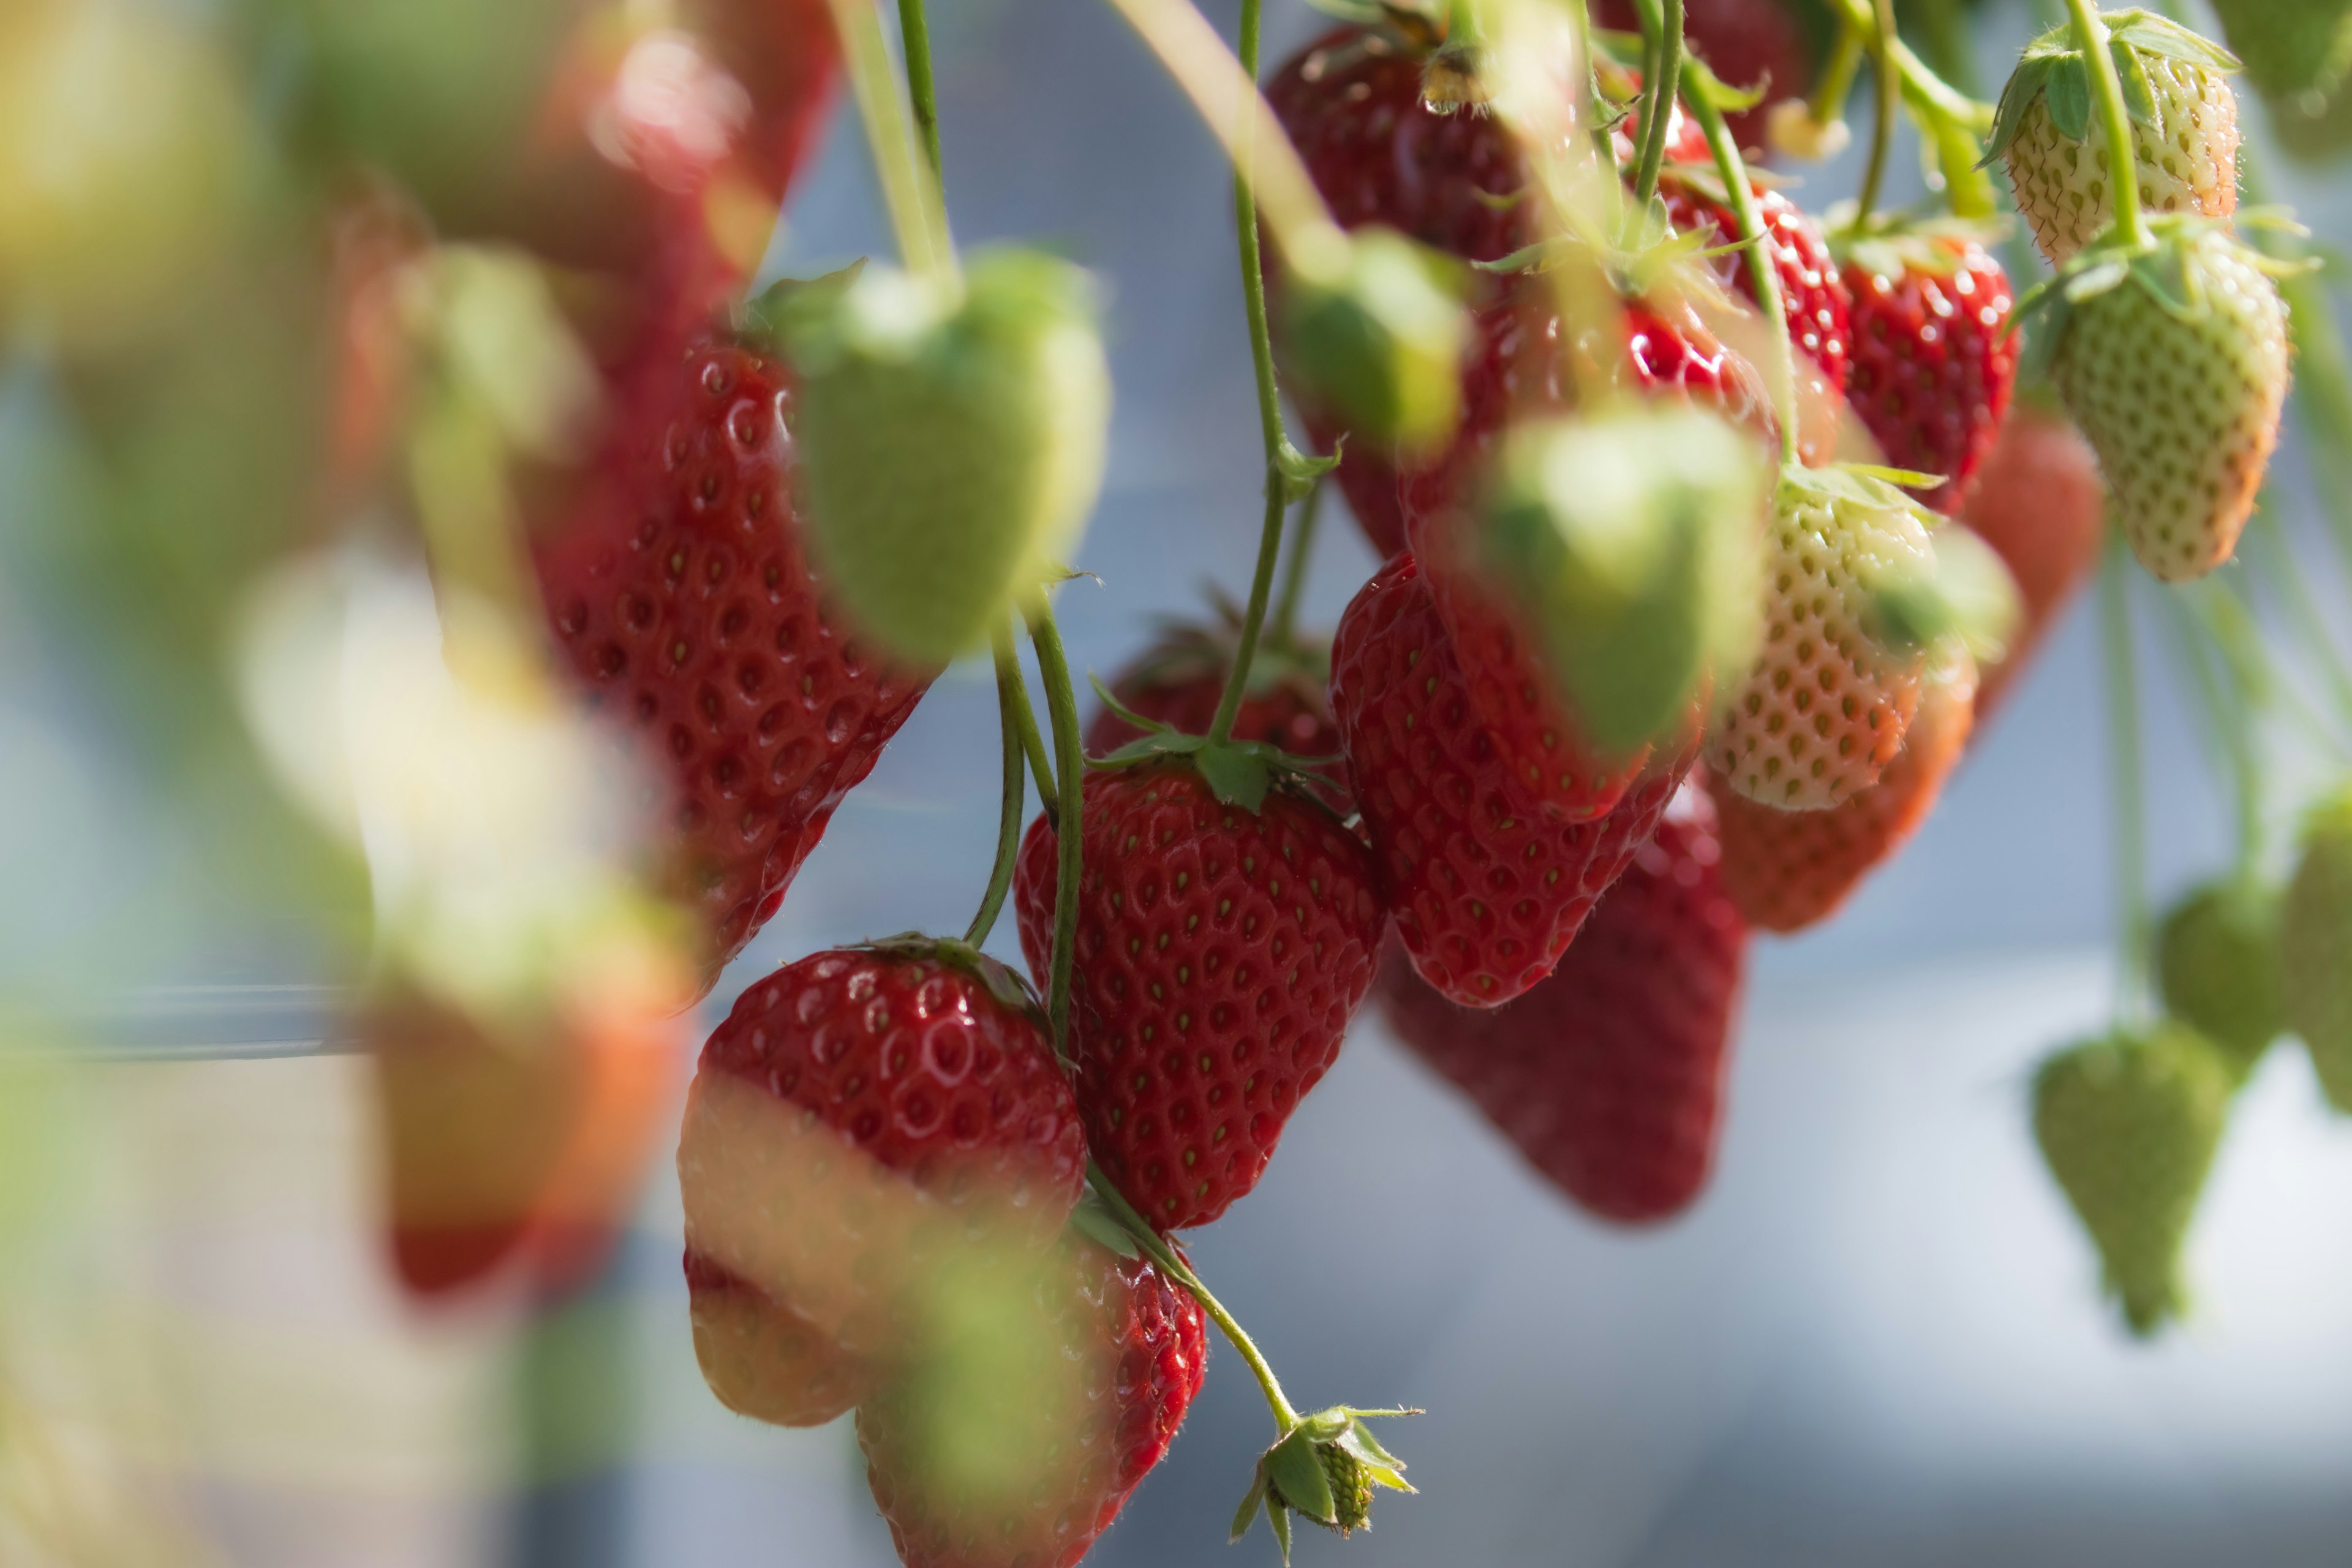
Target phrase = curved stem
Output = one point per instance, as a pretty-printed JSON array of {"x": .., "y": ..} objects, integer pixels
[
  {"x": 1761, "y": 277},
  {"x": 1269, "y": 398},
  {"x": 1069, "y": 827},
  {"x": 1015, "y": 788},
  {"x": 1882, "y": 129},
  {"x": 2225, "y": 725},
  {"x": 1166, "y": 1257},
  {"x": 1827, "y": 102},
  {"x": 1032, "y": 744},
  {"x": 1284, "y": 627},
  {"x": 916, "y": 218},
  {"x": 2123, "y": 162},
  {"x": 1663, "y": 27},
  {"x": 915, "y": 33},
  {"x": 2123, "y": 774}
]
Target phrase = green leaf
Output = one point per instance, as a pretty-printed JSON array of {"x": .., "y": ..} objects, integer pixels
[
  {"x": 1297, "y": 1474},
  {"x": 2069, "y": 96},
  {"x": 1236, "y": 776}
]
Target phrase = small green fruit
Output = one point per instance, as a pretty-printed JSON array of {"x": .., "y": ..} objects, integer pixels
[
  {"x": 951, "y": 441},
  {"x": 2217, "y": 963},
  {"x": 1631, "y": 543},
  {"x": 2130, "y": 1125},
  {"x": 1377, "y": 330},
  {"x": 2316, "y": 950}
]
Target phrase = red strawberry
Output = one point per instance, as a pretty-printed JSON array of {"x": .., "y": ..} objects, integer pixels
[
  {"x": 684, "y": 601},
  {"x": 1932, "y": 360},
  {"x": 1609, "y": 1075},
  {"x": 2041, "y": 506},
  {"x": 1221, "y": 953},
  {"x": 1487, "y": 888},
  {"x": 1811, "y": 290},
  {"x": 1748, "y": 43},
  {"x": 1132, "y": 1352},
  {"x": 1790, "y": 870},
  {"x": 859, "y": 1112}
]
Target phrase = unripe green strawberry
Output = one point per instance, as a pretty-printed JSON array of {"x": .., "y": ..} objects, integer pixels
[
  {"x": 1377, "y": 330},
  {"x": 2289, "y": 47},
  {"x": 2175, "y": 363},
  {"x": 2128, "y": 1125},
  {"x": 2217, "y": 963},
  {"x": 2315, "y": 944},
  {"x": 1628, "y": 542},
  {"x": 952, "y": 440},
  {"x": 1825, "y": 706},
  {"x": 2184, "y": 124}
]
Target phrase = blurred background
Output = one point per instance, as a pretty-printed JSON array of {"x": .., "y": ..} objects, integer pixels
[{"x": 1876, "y": 1341}]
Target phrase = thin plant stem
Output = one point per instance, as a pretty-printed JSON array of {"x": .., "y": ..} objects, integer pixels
[
  {"x": 1882, "y": 129},
  {"x": 1827, "y": 102},
  {"x": 1015, "y": 785},
  {"x": 1666, "y": 42},
  {"x": 2123, "y": 162},
  {"x": 915, "y": 34},
  {"x": 1166, "y": 1257},
  {"x": 2275, "y": 553},
  {"x": 1269, "y": 398},
  {"x": 1032, "y": 743},
  {"x": 1762, "y": 277},
  {"x": 1923, "y": 84},
  {"x": 2227, "y": 724},
  {"x": 1284, "y": 627},
  {"x": 2124, "y": 756},
  {"x": 1062, "y": 705},
  {"x": 918, "y": 220}
]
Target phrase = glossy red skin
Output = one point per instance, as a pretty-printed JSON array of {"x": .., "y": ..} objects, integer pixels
[
  {"x": 1143, "y": 1344},
  {"x": 1486, "y": 887},
  {"x": 1820, "y": 312},
  {"x": 1609, "y": 1076},
  {"x": 1220, "y": 954},
  {"x": 1351, "y": 104},
  {"x": 1747, "y": 42},
  {"x": 2040, "y": 502},
  {"x": 1932, "y": 371},
  {"x": 773, "y": 714},
  {"x": 1522, "y": 369}
]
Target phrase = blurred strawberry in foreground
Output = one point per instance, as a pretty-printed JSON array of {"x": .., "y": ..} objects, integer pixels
[
  {"x": 2040, "y": 503},
  {"x": 1487, "y": 889},
  {"x": 1609, "y": 1075},
  {"x": 2314, "y": 934},
  {"x": 2291, "y": 48},
  {"x": 864, "y": 1120},
  {"x": 1038, "y": 1403},
  {"x": 1221, "y": 951},
  {"x": 2218, "y": 968},
  {"x": 683, "y": 598}
]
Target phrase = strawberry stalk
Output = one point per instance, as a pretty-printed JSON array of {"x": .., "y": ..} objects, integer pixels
[
  {"x": 2115, "y": 121},
  {"x": 1011, "y": 704},
  {"x": 1882, "y": 129},
  {"x": 919, "y": 219},
  {"x": 2227, "y": 719},
  {"x": 1284, "y": 628},
  {"x": 1070, "y": 761},
  {"x": 915, "y": 33},
  {"x": 2124, "y": 756},
  {"x": 1013, "y": 693},
  {"x": 1664, "y": 37}
]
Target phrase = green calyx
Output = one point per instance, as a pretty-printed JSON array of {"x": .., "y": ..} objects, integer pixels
[
  {"x": 2128, "y": 1125},
  {"x": 1238, "y": 772},
  {"x": 1968, "y": 594},
  {"x": 1377, "y": 330},
  {"x": 2053, "y": 72},
  {"x": 2218, "y": 968},
  {"x": 952, "y": 438},
  {"x": 1002, "y": 981},
  {"x": 2172, "y": 269},
  {"x": 1325, "y": 1469},
  {"x": 1631, "y": 545}
]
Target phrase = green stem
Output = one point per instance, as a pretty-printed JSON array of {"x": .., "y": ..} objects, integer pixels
[
  {"x": 1284, "y": 626},
  {"x": 1015, "y": 787},
  {"x": 915, "y": 31},
  {"x": 1062, "y": 704},
  {"x": 1756, "y": 256},
  {"x": 916, "y": 217},
  {"x": 2276, "y": 555},
  {"x": 1662, "y": 28},
  {"x": 2123, "y": 162},
  {"x": 1032, "y": 744},
  {"x": 1828, "y": 102},
  {"x": 2123, "y": 774},
  {"x": 2225, "y": 724},
  {"x": 1269, "y": 398},
  {"x": 1882, "y": 129},
  {"x": 1948, "y": 42},
  {"x": 1285, "y": 1416},
  {"x": 1932, "y": 92}
]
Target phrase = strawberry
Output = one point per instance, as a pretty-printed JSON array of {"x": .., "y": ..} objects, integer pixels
[
  {"x": 1487, "y": 888},
  {"x": 2128, "y": 1125},
  {"x": 1812, "y": 290},
  {"x": 1747, "y": 43},
  {"x": 1825, "y": 708},
  {"x": 1933, "y": 361},
  {"x": 2175, "y": 363},
  {"x": 2184, "y": 131},
  {"x": 859, "y": 1112},
  {"x": 1608, "y": 1075},
  {"x": 2315, "y": 932},
  {"x": 2289, "y": 47},
  {"x": 974, "y": 1465},
  {"x": 2216, "y": 965},
  {"x": 2040, "y": 503},
  {"x": 1221, "y": 953},
  {"x": 683, "y": 599},
  {"x": 1790, "y": 869}
]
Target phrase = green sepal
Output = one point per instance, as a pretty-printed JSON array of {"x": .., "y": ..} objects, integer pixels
[
  {"x": 1902, "y": 478},
  {"x": 1093, "y": 1221},
  {"x": 1864, "y": 484},
  {"x": 1301, "y": 473},
  {"x": 1698, "y": 81},
  {"x": 1247, "y": 1515},
  {"x": 770, "y": 318},
  {"x": 2053, "y": 70},
  {"x": 1279, "y": 1517},
  {"x": 1294, "y": 1473},
  {"x": 1003, "y": 982}
]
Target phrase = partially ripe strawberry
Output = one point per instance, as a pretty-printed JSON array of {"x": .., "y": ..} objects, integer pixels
[
  {"x": 862, "y": 1115},
  {"x": 1486, "y": 887},
  {"x": 2177, "y": 373},
  {"x": 1825, "y": 709},
  {"x": 1609, "y": 1075},
  {"x": 2130, "y": 1125},
  {"x": 1934, "y": 361},
  {"x": 2314, "y": 933},
  {"x": 2184, "y": 133},
  {"x": 2040, "y": 503},
  {"x": 1015, "y": 1440},
  {"x": 1790, "y": 870},
  {"x": 2217, "y": 968},
  {"x": 1221, "y": 953},
  {"x": 683, "y": 598}
]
